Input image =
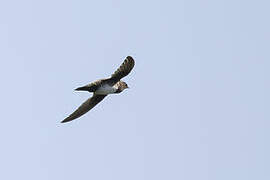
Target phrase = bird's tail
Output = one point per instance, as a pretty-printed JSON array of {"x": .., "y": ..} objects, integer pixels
[{"x": 85, "y": 88}]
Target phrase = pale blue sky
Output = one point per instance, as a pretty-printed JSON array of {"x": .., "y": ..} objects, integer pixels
[{"x": 198, "y": 107}]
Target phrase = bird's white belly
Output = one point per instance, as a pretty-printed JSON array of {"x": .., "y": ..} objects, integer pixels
[{"x": 106, "y": 89}]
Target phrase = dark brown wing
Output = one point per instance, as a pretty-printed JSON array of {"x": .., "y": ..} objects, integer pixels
[
  {"x": 85, "y": 107},
  {"x": 124, "y": 69}
]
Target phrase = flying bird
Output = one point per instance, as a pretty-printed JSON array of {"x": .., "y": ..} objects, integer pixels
[{"x": 102, "y": 87}]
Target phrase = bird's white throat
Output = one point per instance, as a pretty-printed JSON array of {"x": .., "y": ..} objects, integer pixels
[{"x": 106, "y": 89}]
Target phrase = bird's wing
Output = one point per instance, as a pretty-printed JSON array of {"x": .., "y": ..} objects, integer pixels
[
  {"x": 123, "y": 70},
  {"x": 85, "y": 107}
]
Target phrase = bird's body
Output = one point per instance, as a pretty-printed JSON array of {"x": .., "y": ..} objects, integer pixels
[
  {"x": 101, "y": 88},
  {"x": 106, "y": 89}
]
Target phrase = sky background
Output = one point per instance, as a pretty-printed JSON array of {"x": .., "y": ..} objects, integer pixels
[{"x": 198, "y": 106}]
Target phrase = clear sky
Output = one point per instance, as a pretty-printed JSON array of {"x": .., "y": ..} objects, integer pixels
[{"x": 197, "y": 109}]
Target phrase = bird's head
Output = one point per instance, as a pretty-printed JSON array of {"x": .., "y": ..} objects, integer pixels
[{"x": 122, "y": 85}]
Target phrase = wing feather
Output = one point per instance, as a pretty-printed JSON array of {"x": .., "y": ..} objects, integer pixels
[
  {"x": 85, "y": 107},
  {"x": 124, "y": 69}
]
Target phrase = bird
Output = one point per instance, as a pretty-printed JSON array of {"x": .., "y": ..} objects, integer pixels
[{"x": 103, "y": 87}]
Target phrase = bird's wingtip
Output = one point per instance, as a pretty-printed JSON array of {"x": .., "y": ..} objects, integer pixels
[
  {"x": 130, "y": 58},
  {"x": 65, "y": 120}
]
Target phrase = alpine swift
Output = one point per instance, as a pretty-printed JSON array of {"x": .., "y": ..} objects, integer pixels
[{"x": 102, "y": 87}]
